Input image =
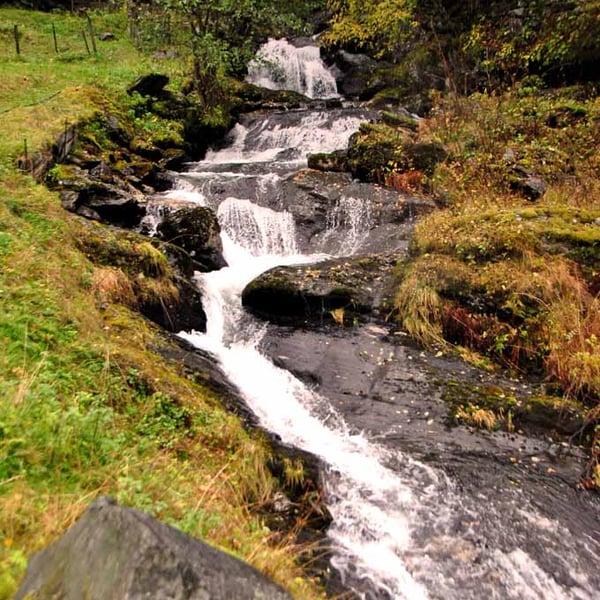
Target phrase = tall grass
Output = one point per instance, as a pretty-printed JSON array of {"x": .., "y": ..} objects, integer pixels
[{"x": 86, "y": 407}]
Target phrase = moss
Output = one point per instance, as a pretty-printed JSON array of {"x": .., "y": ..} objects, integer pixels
[{"x": 494, "y": 407}]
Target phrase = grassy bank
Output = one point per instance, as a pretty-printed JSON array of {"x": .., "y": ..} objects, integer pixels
[
  {"x": 506, "y": 279},
  {"x": 88, "y": 407}
]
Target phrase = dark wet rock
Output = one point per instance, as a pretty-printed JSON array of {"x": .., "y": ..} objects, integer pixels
[
  {"x": 119, "y": 552},
  {"x": 383, "y": 384},
  {"x": 376, "y": 147},
  {"x": 357, "y": 75},
  {"x": 173, "y": 159},
  {"x": 252, "y": 98},
  {"x": 337, "y": 215},
  {"x": 527, "y": 183},
  {"x": 340, "y": 290},
  {"x": 152, "y": 84},
  {"x": 197, "y": 231},
  {"x": 99, "y": 192}
]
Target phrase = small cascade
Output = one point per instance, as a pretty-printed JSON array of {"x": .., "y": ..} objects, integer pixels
[
  {"x": 348, "y": 225},
  {"x": 281, "y": 66},
  {"x": 402, "y": 528},
  {"x": 257, "y": 229}
]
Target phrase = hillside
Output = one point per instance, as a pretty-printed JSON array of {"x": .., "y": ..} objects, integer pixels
[{"x": 89, "y": 406}]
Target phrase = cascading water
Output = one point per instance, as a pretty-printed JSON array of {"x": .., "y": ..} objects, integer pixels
[
  {"x": 281, "y": 66},
  {"x": 401, "y": 528}
]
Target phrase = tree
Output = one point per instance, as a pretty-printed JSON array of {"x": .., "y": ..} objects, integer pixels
[{"x": 379, "y": 27}]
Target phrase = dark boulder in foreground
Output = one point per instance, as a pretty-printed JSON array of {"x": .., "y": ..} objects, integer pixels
[{"x": 120, "y": 553}]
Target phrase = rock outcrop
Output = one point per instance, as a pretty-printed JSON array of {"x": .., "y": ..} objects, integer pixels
[
  {"x": 343, "y": 290},
  {"x": 122, "y": 553},
  {"x": 196, "y": 230}
]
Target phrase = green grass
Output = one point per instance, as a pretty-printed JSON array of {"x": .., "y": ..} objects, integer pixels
[
  {"x": 515, "y": 281},
  {"x": 85, "y": 407}
]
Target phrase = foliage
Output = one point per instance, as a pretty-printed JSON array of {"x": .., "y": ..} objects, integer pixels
[
  {"x": 218, "y": 36},
  {"x": 87, "y": 404},
  {"x": 555, "y": 38},
  {"x": 378, "y": 28},
  {"x": 474, "y": 45},
  {"x": 515, "y": 281}
]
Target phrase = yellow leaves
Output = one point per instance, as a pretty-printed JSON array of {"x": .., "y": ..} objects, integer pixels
[{"x": 379, "y": 27}]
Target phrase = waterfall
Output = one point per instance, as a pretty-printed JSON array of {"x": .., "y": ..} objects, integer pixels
[
  {"x": 370, "y": 504},
  {"x": 401, "y": 529},
  {"x": 280, "y": 66},
  {"x": 397, "y": 523}
]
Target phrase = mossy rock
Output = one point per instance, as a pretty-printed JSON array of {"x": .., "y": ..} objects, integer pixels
[
  {"x": 336, "y": 161},
  {"x": 341, "y": 290},
  {"x": 197, "y": 231},
  {"x": 134, "y": 270}
]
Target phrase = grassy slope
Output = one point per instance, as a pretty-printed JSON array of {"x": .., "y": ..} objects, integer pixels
[
  {"x": 504, "y": 279},
  {"x": 85, "y": 408}
]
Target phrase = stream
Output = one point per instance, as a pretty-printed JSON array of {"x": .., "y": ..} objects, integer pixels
[{"x": 419, "y": 510}]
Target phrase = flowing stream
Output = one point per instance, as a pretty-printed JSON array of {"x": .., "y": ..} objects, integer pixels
[{"x": 402, "y": 528}]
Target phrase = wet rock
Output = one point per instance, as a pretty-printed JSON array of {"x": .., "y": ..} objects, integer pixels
[
  {"x": 527, "y": 183},
  {"x": 119, "y": 552},
  {"x": 252, "y": 98},
  {"x": 340, "y": 290},
  {"x": 97, "y": 192},
  {"x": 152, "y": 84},
  {"x": 337, "y": 215},
  {"x": 197, "y": 231},
  {"x": 356, "y": 75}
]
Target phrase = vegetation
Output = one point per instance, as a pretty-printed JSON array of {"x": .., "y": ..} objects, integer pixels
[
  {"x": 516, "y": 281},
  {"x": 508, "y": 269},
  {"x": 87, "y": 407}
]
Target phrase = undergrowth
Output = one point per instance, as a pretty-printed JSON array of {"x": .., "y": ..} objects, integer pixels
[
  {"x": 514, "y": 279},
  {"x": 87, "y": 408}
]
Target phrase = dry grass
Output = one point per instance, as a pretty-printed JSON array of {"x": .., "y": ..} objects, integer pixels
[
  {"x": 419, "y": 311},
  {"x": 112, "y": 285},
  {"x": 482, "y": 418}
]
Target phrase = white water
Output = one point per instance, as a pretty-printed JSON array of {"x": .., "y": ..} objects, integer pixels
[
  {"x": 378, "y": 511},
  {"x": 280, "y": 66},
  {"x": 400, "y": 528},
  {"x": 360, "y": 488}
]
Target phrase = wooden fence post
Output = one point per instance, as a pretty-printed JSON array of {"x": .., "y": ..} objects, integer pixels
[
  {"x": 91, "y": 31},
  {"x": 87, "y": 46},
  {"x": 16, "y": 34},
  {"x": 54, "y": 38}
]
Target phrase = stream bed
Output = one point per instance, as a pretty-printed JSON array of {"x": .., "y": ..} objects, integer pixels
[{"x": 420, "y": 509}]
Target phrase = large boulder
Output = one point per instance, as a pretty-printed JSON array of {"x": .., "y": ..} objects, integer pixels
[
  {"x": 196, "y": 230},
  {"x": 341, "y": 290},
  {"x": 357, "y": 75},
  {"x": 339, "y": 216},
  {"x": 124, "y": 554}
]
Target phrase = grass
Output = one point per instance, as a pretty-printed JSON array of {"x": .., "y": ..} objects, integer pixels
[
  {"x": 86, "y": 407},
  {"x": 509, "y": 280}
]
